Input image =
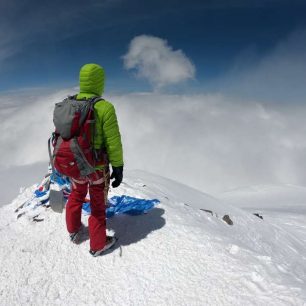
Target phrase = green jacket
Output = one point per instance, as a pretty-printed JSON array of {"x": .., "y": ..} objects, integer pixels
[{"x": 107, "y": 134}]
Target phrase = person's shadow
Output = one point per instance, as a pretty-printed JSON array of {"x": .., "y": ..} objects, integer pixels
[{"x": 131, "y": 229}]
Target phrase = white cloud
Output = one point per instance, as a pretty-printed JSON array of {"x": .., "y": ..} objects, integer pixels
[
  {"x": 210, "y": 142},
  {"x": 157, "y": 62},
  {"x": 26, "y": 125}
]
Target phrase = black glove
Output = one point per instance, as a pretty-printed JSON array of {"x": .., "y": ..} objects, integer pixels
[{"x": 117, "y": 175}]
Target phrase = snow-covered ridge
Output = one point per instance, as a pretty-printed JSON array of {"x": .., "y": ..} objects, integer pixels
[{"x": 177, "y": 254}]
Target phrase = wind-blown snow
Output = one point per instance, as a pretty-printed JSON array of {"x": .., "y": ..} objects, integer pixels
[{"x": 177, "y": 254}]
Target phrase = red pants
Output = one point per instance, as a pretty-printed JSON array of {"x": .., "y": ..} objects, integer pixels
[{"x": 98, "y": 189}]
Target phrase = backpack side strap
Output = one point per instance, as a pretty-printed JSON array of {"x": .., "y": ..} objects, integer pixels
[{"x": 51, "y": 140}]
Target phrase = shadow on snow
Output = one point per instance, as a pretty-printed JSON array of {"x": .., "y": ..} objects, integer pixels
[{"x": 131, "y": 229}]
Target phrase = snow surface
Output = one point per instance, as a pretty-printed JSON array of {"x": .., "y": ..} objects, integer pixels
[{"x": 177, "y": 254}]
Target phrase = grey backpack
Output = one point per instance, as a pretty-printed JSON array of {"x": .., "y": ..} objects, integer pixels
[{"x": 74, "y": 121}]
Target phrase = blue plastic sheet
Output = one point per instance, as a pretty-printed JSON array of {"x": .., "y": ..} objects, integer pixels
[
  {"x": 125, "y": 205},
  {"x": 62, "y": 181},
  {"x": 40, "y": 194},
  {"x": 116, "y": 205}
]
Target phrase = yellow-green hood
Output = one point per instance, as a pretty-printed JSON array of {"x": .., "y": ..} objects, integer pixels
[{"x": 91, "y": 81}]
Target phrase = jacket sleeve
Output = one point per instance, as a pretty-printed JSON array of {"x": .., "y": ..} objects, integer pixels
[{"x": 112, "y": 137}]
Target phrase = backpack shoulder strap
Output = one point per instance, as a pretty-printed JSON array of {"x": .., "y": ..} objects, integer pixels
[{"x": 94, "y": 100}]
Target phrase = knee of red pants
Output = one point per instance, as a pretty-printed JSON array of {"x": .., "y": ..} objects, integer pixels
[
  {"x": 97, "y": 195},
  {"x": 77, "y": 197},
  {"x": 74, "y": 207}
]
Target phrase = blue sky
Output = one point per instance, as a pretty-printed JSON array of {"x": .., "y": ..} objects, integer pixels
[{"x": 43, "y": 44}]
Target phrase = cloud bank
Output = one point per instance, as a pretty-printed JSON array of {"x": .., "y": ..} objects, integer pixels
[
  {"x": 26, "y": 125},
  {"x": 206, "y": 141},
  {"x": 212, "y": 142},
  {"x": 157, "y": 62}
]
